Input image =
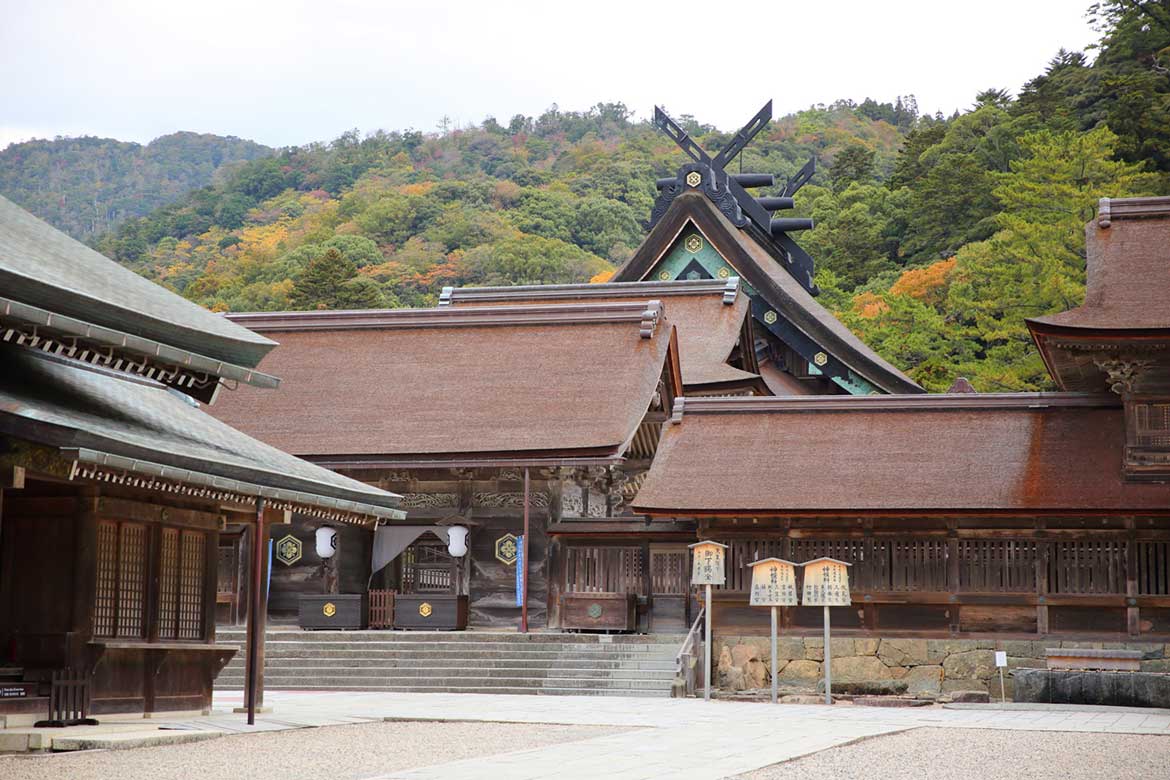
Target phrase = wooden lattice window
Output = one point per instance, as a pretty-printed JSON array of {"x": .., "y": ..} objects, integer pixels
[
  {"x": 1095, "y": 566},
  {"x": 997, "y": 565},
  {"x": 1151, "y": 424},
  {"x": 168, "y": 584},
  {"x": 191, "y": 590},
  {"x": 604, "y": 570},
  {"x": 1153, "y": 568},
  {"x": 181, "y": 584},
  {"x": 427, "y": 567},
  {"x": 106, "y": 595},
  {"x": 131, "y": 600}
]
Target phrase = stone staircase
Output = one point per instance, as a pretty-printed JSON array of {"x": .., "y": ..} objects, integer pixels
[{"x": 459, "y": 662}]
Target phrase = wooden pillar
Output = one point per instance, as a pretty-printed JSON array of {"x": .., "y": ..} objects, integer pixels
[
  {"x": 1132, "y": 613},
  {"x": 524, "y": 555},
  {"x": 257, "y": 619},
  {"x": 953, "y": 574},
  {"x": 1043, "y": 553}
]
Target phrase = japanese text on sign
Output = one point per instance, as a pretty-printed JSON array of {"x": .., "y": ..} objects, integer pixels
[
  {"x": 707, "y": 568},
  {"x": 826, "y": 584},
  {"x": 773, "y": 583}
]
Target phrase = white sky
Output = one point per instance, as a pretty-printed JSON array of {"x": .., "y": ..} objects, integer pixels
[{"x": 290, "y": 71}]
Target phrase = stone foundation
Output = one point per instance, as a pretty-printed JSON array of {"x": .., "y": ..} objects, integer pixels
[{"x": 929, "y": 667}]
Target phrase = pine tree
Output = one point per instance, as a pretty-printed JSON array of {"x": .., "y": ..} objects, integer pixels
[{"x": 321, "y": 284}]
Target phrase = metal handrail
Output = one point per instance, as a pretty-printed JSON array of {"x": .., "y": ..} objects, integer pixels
[{"x": 689, "y": 641}]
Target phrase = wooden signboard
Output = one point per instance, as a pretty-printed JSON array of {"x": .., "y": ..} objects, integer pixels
[
  {"x": 707, "y": 570},
  {"x": 707, "y": 564},
  {"x": 826, "y": 583},
  {"x": 773, "y": 583}
]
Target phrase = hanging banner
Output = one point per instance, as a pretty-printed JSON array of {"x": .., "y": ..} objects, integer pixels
[
  {"x": 520, "y": 570},
  {"x": 826, "y": 583},
  {"x": 773, "y": 583},
  {"x": 707, "y": 563}
]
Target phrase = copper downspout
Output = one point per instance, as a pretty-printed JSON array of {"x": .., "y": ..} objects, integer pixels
[{"x": 524, "y": 556}]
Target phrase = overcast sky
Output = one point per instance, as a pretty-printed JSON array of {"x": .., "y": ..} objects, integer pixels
[{"x": 290, "y": 72}]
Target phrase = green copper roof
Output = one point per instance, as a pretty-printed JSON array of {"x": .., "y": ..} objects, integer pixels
[{"x": 43, "y": 267}]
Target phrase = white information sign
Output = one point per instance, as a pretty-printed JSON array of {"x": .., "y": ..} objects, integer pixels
[
  {"x": 707, "y": 566},
  {"x": 1001, "y": 658},
  {"x": 826, "y": 583},
  {"x": 773, "y": 583}
]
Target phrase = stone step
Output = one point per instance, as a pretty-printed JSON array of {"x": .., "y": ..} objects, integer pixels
[
  {"x": 416, "y": 647},
  {"x": 232, "y": 635},
  {"x": 310, "y": 673},
  {"x": 552, "y": 691},
  {"x": 437, "y": 663},
  {"x": 296, "y": 681}
]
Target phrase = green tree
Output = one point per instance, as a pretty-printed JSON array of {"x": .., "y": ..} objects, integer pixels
[
  {"x": 853, "y": 164},
  {"x": 323, "y": 282}
]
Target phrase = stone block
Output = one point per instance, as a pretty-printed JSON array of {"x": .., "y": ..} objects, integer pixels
[
  {"x": 970, "y": 665},
  {"x": 814, "y": 649},
  {"x": 903, "y": 652},
  {"x": 938, "y": 649},
  {"x": 866, "y": 687},
  {"x": 951, "y": 686},
  {"x": 802, "y": 698},
  {"x": 1022, "y": 648},
  {"x": 972, "y": 697},
  {"x": 898, "y": 672},
  {"x": 724, "y": 659},
  {"x": 859, "y": 668},
  {"x": 801, "y": 670},
  {"x": 924, "y": 680},
  {"x": 741, "y": 654},
  {"x": 732, "y": 679},
  {"x": 788, "y": 648},
  {"x": 755, "y": 674},
  {"x": 1150, "y": 650},
  {"x": 1156, "y": 665},
  {"x": 865, "y": 646}
]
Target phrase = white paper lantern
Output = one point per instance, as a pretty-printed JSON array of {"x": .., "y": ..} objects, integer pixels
[
  {"x": 326, "y": 542},
  {"x": 457, "y": 541}
]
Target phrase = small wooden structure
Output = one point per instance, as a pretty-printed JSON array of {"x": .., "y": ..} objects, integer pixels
[
  {"x": 430, "y": 611},
  {"x": 599, "y": 612},
  {"x": 114, "y": 485}
]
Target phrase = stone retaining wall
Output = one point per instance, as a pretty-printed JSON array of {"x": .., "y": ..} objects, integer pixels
[{"x": 929, "y": 667}]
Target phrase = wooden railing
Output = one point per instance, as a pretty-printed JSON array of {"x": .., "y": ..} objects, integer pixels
[{"x": 68, "y": 700}]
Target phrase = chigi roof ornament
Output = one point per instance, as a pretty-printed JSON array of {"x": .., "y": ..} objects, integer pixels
[{"x": 728, "y": 191}]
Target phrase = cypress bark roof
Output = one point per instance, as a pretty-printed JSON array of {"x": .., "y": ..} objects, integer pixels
[
  {"x": 914, "y": 454},
  {"x": 42, "y": 267},
  {"x": 105, "y": 421},
  {"x": 1128, "y": 261},
  {"x": 459, "y": 383},
  {"x": 711, "y": 317}
]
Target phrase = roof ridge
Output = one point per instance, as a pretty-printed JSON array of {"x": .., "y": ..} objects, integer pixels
[
  {"x": 685, "y": 406},
  {"x": 729, "y": 288},
  {"x": 646, "y": 312}
]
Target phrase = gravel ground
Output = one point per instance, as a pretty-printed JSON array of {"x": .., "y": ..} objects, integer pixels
[
  {"x": 940, "y": 754},
  {"x": 330, "y": 753}
]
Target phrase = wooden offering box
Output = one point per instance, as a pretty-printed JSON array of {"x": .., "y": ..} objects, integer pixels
[
  {"x": 336, "y": 610},
  {"x": 599, "y": 611},
  {"x": 434, "y": 611}
]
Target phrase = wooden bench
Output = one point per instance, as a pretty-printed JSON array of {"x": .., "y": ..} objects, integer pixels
[{"x": 1097, "y": 660}]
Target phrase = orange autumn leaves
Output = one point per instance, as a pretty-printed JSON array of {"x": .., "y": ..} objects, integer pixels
[{"x": 926, "y": 284}]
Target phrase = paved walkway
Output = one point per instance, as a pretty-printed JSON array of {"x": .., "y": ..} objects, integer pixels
[{"x": 684, "y": 739}]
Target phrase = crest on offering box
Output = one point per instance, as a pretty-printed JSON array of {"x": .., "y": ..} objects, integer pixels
[
  {"x": 826, "y": 583},
  {"x": 773, "y": 583},
  {"x": 707, "y": 563}
]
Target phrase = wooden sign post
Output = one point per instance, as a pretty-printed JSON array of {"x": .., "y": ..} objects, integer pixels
[
  {"x": 773, "y": 585},
  {"x": 707, "y": 569},
  {"x": 826, "y": 584}
]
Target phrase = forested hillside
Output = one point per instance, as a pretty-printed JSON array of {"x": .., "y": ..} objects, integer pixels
[
  {"x": 88, "y": 186},
  {"x": 935, "y": 238}
]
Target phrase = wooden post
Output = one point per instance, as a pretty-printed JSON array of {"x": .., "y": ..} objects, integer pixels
[
  {"x": 524, "y": 555},
  {"x": 828, "y": 661},
  {"x": 707, "y": 645},
  {"x": 257, "y": 620},
  {"x": 775, "y": 676}
]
